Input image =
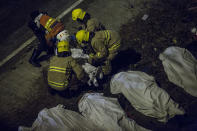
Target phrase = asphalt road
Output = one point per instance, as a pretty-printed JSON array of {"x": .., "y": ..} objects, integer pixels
[
  {"x": 15, "y": 15},
  {"x": 23, "y": 93}
]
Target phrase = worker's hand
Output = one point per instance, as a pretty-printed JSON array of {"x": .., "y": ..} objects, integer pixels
[{"x": 91, "y": 55}]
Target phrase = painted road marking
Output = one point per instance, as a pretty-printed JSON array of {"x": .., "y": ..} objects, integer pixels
[{"x": 28, "y": 42}]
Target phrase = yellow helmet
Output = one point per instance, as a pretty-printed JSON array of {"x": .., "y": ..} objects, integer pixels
[
  {"x": 62, "y": 46},
  {"x": 78, "y": 14},
  {"x": 82, "y": 36}
]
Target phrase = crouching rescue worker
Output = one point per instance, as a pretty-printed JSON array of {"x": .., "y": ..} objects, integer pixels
[
  {"x": 45, "y": 28},
  {"x": 64, "y": 72},
  {"x": 105, "y": 44},
  {"x": 87, "y": 23}
]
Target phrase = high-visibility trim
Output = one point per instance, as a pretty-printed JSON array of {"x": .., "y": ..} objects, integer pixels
[
  {"x": 56, "y": 84},
  {"x": 98, "y": 54},
  {"x": 91, "y": 55},
  {"x": 115, "y": 46},
  {"x": 107, "y": 36},
  {"x": 54, "y": 24},
  {"x": 49, "y": 23},
  {"x": 57, "y": 69}
]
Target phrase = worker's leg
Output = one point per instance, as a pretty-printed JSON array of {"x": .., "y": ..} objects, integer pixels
[
  {"x": 33, "y": 59},
  {"x": 42, "y": 46},
  {"x": 40, "y": 34}
]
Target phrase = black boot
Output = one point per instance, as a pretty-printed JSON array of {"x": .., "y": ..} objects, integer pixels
[
  {"x": 33, "y": 60},
  {"x": 43, "y": 58}
]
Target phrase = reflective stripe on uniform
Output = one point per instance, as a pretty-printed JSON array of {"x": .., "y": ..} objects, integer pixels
[
  {"x": 98, "y": 54},
  {"x": 49, "y": 23},
  {"x": 54, "y": 24},
  {"x": 57, "y": 69},
  {"x": 91, "y": 55},
  {"x": 56, "y": 84},
  {"x": 107, "y": 36},
  {"x": 115, "y": 46},
  {"x": 60, "y": 70}
]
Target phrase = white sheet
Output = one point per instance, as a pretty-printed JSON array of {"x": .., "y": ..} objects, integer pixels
[{"x": 144, "y": 94}]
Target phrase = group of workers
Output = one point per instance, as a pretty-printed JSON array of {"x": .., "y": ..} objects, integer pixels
[{"x": 102, "y": 45}]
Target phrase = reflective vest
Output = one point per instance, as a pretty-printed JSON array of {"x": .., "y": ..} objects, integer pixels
[{"x": 52, "y": 26}]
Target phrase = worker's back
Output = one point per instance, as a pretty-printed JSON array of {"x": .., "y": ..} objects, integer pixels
[
  {"x": 93, "y": 25},
  {"x": 62, "y": 70},
  {"x": 108, "y": 38}
]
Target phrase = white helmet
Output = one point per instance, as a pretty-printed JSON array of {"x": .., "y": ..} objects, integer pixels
[{"x": 63, "y": 35}]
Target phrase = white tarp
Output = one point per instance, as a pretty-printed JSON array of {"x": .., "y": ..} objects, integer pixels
[
  {"x": 181, "y": 68},
  {"x": 60, "y": 119},
  {"x": 145, "y": 96},
  {"x": 106, "y": 113},
  {"x": 78, "y": 53}
]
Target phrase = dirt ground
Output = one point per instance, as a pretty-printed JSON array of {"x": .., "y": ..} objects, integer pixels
[{"x": 168, "y": 24}]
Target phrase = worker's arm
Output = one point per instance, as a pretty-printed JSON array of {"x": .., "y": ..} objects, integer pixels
[
  {"x": 92, "y": 25},
  {"x": 100, "y": 49},
  {"x": 78, "y": 70}
]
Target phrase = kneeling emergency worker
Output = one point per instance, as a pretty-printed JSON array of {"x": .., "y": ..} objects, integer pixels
[
  {"x": 64, "y": 72},
  {"x": 106, "y": 45},
  {"x": 87, "y": 23}
]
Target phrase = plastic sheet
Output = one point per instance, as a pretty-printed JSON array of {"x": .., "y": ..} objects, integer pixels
[
  {"x": 144, "y": 95},
  {"x": 181, "y": 68}
]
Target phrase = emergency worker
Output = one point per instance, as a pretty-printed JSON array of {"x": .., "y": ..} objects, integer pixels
[
  {"x": 64, "y": 71},
  {"x": 45, "y": 28},
  {"x": 106, "y": 45},
  {"x": 87, "y": 23}
]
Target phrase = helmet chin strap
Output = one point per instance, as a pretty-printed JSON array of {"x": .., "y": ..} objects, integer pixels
[{"x": 80, "y": 21}]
